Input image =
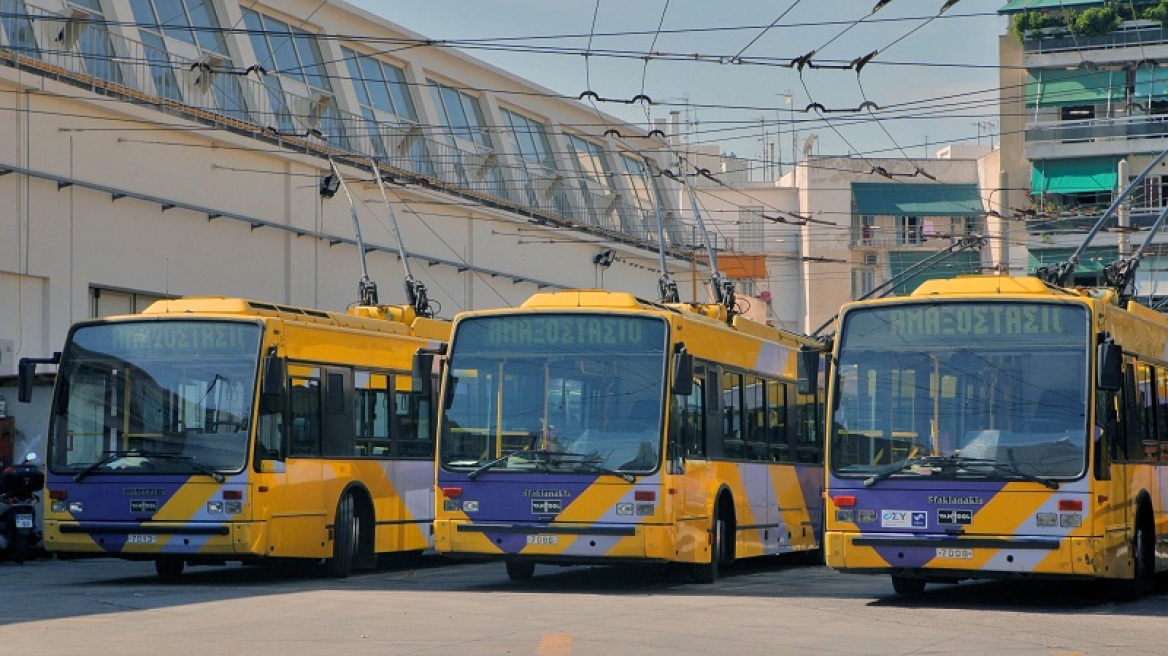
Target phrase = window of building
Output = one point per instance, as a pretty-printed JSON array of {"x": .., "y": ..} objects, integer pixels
[
  {"x": 381, "y": 87},
  {"x": 593, "y": 180},
  {"x": 178, "y": 32},
  {"x": 909, "y": 230},
  {"x": 17, "y": 27},
  {"x": 529, "y": 140},
  {"x": 89, "y": 37},
  {"x": 461, "y": 114},
  {"x": 298, "y": 84},
  {"x": 105, "y": 302},
  {"x": 750, "y": 230}
]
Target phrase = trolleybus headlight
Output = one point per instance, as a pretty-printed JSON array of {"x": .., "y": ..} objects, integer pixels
[
  {"x": 1046, "y": 520},
  {"x": 58, "y": 506},
  {"x": 233, "y": 507},
  {"x": 76, "y": 507},
  {"x": 624, "y": 509},
  {"x": 865, "y": 516},
  {"x": 214, "y": 507},
  {"x": 1071, "y": 520},
  {"x": 845, "y": 515}
]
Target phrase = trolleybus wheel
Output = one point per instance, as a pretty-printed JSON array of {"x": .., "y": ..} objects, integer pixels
[
  {"x": 907, "y": 586},
  {"x": 346, "y": 534},
  {"x": 520, "y": 570},
  {"x": 1143, "y": 577},
  {"x": 169, "y": 568},
  {"x": 708, "y": 572}
]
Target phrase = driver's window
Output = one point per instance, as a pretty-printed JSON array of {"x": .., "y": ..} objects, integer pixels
[{"x": 304, "y": 410}]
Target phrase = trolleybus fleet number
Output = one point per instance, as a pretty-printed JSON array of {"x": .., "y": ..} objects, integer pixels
[
  {"x": 135, "y": 538},
  {"x": 946, "y": 552},
  {"x": 541, "y": 539},
  {"x": 24, "y": 521}
]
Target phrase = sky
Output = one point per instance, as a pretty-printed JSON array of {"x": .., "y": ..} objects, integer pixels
[{"x": 932, "y": 81}]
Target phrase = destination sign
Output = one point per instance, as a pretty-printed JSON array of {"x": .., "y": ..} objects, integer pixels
[
  {"x": 542, "y": 332},
  {"x": 945, "y": 322},
  {"x": 168, "y": 338}
]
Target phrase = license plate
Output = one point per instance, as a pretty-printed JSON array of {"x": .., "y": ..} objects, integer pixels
[
  {"x": 947, "y": 552},
  {"x": 24, "y": 521},
  {"x": 542, "y": 539},
  {"x": 136, "y": 538}
]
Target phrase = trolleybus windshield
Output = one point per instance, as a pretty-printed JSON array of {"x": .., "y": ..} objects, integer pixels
[
  {"x": 555, "y": 392},
  {"x": 984, "y": 390},
  {"x": 155, "y": 396}
]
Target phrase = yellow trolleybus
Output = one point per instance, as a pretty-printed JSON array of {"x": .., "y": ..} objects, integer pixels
[
  {"x": 206, "y": 430},
  {"x": 991, "y": 426},
  {"x": 593, "y": 427}
]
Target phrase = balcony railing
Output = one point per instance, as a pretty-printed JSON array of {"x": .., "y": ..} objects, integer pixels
[
  {"x": 1150, "y": 126},
  {"x": 1132, "y": 34},
  {"x": 250, "y": 101}
]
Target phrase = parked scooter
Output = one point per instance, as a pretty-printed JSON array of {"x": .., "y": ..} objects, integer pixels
[{"x": 19, "y": 485}]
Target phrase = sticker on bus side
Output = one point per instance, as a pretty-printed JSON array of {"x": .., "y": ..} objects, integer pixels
[{"x": 904, "y": 519}]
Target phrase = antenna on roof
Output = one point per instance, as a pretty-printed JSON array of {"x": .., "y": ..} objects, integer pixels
[{"x": 366, "y": 288}]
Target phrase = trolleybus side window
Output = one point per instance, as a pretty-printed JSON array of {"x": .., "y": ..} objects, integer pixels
[
  {"x": 413, "y": 434},
  {"x": 337, "y": 424},
  {"x": 372, "y": 391},
  {"x": 687, "y": 421},
  {"x": 732, "y": 444},
  {"x": 304, "y": 410},
  {"x": 778, "y": 422},
  {"x": 809, "y": 447}
]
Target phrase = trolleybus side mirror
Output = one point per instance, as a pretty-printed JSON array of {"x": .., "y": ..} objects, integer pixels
[
  {"x": 808, "y": 369},
  {"x": 1110, "y": 366},
  {"x": 275, "y": 376},
  {"x": 26, "y": 374},
  {"x": 682, "y": 372},
  {"x": 423, "y": 380}
]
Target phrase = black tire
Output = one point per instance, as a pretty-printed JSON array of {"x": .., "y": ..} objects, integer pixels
[
  {"x": 346, "y": 537},
  {"x": 1143, "y": 579},
  {"x": 907, "y": 585},
  {"x": 169, "y": 568},
  {"x": 708, "y": 572},
  {"x": 19, "y": 548},
  {"x": 520, "y": 570}
]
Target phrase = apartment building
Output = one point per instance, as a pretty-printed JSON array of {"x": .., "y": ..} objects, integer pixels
[{"x": 1083, "y": 106}]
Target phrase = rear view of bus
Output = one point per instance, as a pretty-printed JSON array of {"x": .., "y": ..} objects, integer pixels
[
  {"x": 960, "y": 438},
  {"x": 587, "y": 427},
  {"x": 208, "y": 430}
]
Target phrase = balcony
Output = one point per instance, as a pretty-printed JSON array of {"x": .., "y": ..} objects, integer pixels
[{"x": 251, "y": 102}]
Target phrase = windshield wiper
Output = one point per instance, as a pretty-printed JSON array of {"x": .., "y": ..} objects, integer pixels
[
  {"x": 473, "y": 474},
  {"x": 624, "y": 476},
  {"x": 930, "y": 461},
  {"x": 1013, "y": 468},
  {"x": 109, "y": 457},
  {"x": 197, "y": 466}
]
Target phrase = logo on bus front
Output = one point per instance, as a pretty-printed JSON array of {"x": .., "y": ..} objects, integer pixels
[
  {"x": 144, "y": 506},
  {"x": 904, "y": 519},
  {"x": 546, "y": 506},
  {"x": 963, "y": 516}
]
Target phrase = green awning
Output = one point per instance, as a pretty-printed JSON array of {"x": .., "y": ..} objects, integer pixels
[
  {"x": 1091, "y": 261},
  {"x": 1071, "y": 176},
  {"x": 892, "y": 199},
  {"x": 1017, "y": 6},
  {"x": 1151, "y": 83},
  {"x": 957, "y": 264},
  {"x": 1056, "y": 87}
]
